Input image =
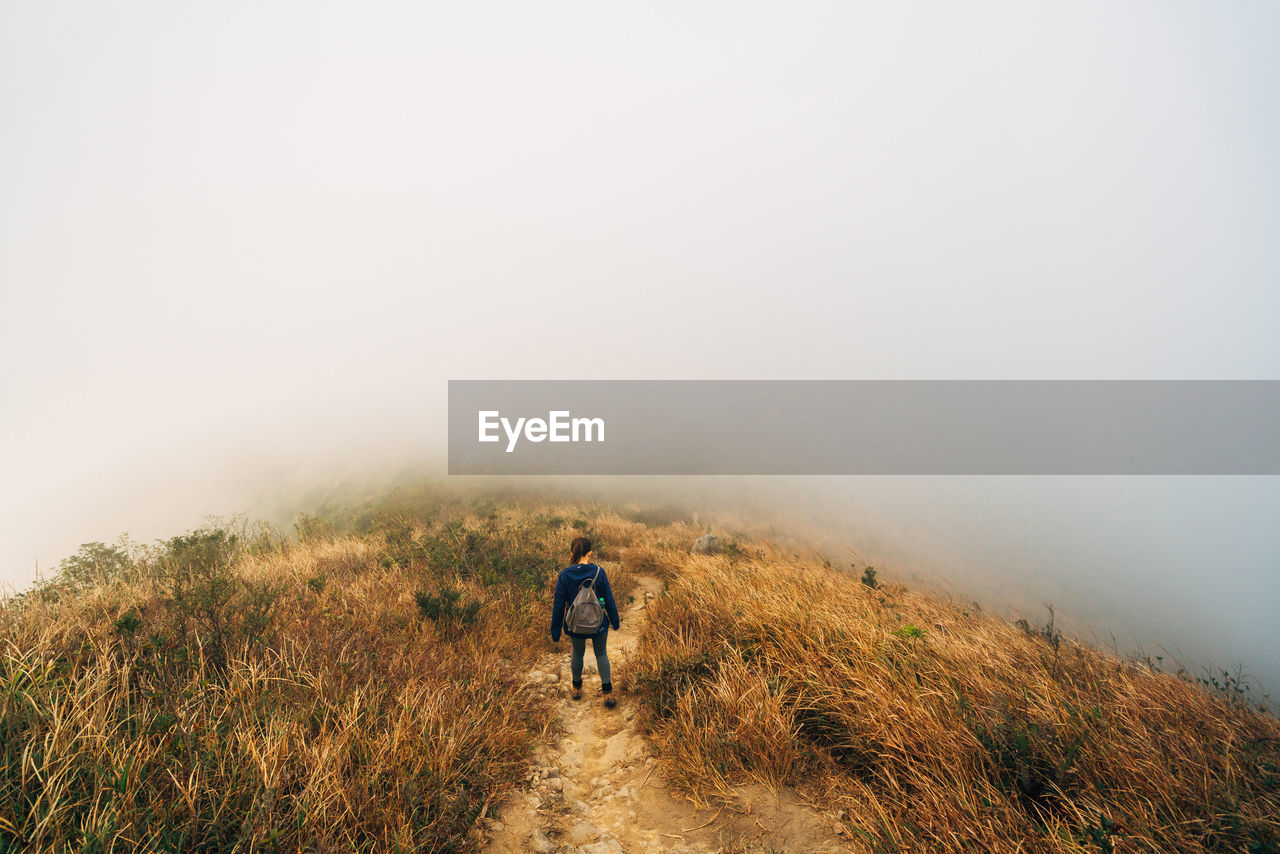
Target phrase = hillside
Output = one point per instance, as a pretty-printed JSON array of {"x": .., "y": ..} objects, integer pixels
[{"x": 383, "y": 680}]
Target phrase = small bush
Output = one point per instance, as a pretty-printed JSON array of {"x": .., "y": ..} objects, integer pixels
[
  {"x": 491, "y": 552},
  {"x": 195, "y": 570},
  {"x": 909, "y": 632},
  {"x": 95, "y": 564},
  {"x": 448, "y": 610},
  {"x": 128, "y": 624},
  {"x": 674, "y": 675},
  {"x": 311, "y": 528}
]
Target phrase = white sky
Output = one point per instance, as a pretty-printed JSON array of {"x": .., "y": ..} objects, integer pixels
[{"x": 237, "y": 239}]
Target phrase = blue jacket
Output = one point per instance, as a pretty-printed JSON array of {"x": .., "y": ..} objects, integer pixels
[{"x": 571, "y": 577}]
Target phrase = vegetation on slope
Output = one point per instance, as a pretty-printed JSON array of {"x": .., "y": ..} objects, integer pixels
[
  {"x": 231, "y": 689},
  {"x": 355, "y": 688},
  {"x": 929, "y": 727}
]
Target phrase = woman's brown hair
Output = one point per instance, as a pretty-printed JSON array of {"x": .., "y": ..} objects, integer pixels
[{"x": 580, "y": 548}]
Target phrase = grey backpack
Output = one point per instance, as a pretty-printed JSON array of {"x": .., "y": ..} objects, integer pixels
[{"x": 584, "y": 614}]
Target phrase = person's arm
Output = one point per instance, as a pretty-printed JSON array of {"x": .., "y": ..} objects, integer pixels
[
  {"x": 557, "y": 610},
  {"x": 610, "y": 608}
]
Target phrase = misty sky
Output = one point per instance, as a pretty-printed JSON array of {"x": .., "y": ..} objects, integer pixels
[{"x": 241, "y": 243}]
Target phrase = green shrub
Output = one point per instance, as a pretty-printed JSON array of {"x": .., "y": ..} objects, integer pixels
[
  {"x": 1031, "y": 756},
  {"x": 909, "y": 632},
  {"x": 128, "y": 624},
  {"x": 673, "y": 676},
  {"x": 195, "y": 571},
  {"x": 209, "y": 600},
  {"x": 448, "y": 610},
  {"x": 494, "y": 554},
  {"x": 97, "y": 563}
]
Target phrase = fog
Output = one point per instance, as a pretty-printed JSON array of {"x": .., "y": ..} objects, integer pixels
[{"x": 243, "y": 248}]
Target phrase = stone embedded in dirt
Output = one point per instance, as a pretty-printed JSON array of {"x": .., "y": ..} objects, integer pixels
[
  {"x": 555, "y": 784},
  {"x": 551, "y": 677},
  {"x": 550, "y": 772},
  {"x": 539, "y": 841},
  {"x": 583, "y": 831},
  {"x": 609, "y": 846},
  {"x": 708, "y": 544}
]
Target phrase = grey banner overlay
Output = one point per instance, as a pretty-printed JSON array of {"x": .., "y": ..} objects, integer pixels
[{"x": 808, "y": 427}]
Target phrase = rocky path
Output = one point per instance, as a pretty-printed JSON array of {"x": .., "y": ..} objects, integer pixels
[{"x": 598, "y": 790}]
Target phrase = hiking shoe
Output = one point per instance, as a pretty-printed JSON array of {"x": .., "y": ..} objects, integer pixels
[
  {"x": 609, "y": 702},
  {"x": 577, "y": 692}
]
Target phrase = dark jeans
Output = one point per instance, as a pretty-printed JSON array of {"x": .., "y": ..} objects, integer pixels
[{"x": 602, "y": 657}]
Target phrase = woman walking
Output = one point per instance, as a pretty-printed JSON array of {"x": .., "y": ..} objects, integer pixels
[{"x": 573, "y": 578}]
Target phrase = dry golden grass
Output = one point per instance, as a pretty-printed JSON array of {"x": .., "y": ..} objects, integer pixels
[
  {"x": 974, "y": 735},
  {"x": 313, "y": 706},
  {"x": 334, "y": 717},
  {"x": 349, "y": 729}
]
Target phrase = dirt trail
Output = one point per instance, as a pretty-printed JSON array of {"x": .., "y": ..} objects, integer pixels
[{"x": 598, "y": 790}]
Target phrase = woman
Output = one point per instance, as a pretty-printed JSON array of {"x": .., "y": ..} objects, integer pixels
[{"x": 571, "y": 579}]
